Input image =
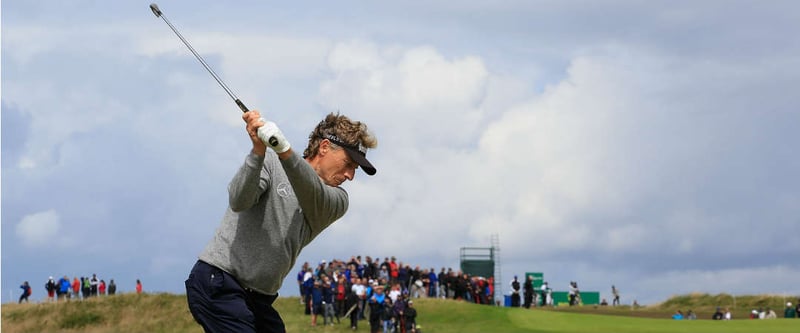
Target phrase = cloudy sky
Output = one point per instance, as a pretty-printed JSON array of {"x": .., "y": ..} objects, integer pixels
[{"x": 651, "y": 145}]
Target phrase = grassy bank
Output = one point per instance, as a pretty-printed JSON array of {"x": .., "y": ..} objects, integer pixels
[{"x": 169, "y": 313}]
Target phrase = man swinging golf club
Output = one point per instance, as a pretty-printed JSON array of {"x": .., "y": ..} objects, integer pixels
[{"x": 278, "y": 203}]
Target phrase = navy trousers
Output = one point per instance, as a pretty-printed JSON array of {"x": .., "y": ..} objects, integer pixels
[{"x": 219, "y": 304}]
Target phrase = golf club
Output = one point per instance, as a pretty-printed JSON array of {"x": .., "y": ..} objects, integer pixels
[{"x": 272, "y": 140}]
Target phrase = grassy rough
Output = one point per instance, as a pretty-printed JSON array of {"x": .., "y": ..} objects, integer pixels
[{"x": 169, "y": 313}]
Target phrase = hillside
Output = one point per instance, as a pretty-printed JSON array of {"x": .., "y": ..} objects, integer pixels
[{"x": 168, "y": 313}]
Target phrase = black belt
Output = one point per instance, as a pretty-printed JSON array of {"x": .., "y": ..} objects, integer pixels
[{"x": 259, "y": 296}]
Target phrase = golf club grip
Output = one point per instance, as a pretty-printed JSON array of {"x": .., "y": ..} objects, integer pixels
[
  {"x": 272, "y": 140},
  {"x": 241, "y": 105}
]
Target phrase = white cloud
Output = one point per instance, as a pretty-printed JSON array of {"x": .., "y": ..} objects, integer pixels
[
  {"x": 413, "y": 88},
  {"x": 39, "y": 229}
]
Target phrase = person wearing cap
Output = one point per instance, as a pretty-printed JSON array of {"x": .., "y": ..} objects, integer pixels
[
  {"x": 51, "y": 288},
  {"x": 789, "y": 311},
  {"x": 410, "y": 317},
  {"x": 376, "y": 307},
  {"x": 278, "y": 202}
]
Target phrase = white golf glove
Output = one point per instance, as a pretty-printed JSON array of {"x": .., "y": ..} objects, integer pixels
[{"x": 272, "y": 136}]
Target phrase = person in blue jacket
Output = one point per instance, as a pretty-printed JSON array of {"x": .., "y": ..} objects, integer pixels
[
  {"x": 63, "y": 287},
  {"x": 26, "y": 292}
]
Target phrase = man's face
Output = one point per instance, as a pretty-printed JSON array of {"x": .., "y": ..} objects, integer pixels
[{"x": 335, "y": 167}]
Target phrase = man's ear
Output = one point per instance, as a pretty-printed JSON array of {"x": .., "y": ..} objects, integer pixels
[{"x": 324, "y": 147}]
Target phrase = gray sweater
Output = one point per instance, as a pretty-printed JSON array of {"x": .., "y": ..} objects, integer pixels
[{"x": 275, "y": 209}]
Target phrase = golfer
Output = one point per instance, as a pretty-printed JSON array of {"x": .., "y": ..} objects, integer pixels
[{"x": 278, "y": 202}]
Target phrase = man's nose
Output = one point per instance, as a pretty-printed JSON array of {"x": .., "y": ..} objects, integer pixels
[{"x": 350, "y": 173}]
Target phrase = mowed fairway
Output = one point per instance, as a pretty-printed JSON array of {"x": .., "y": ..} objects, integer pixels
[
  {"x": 449, "y": 316},
  {"x": 169, "y": 313},
  {"x": 524, "y": 321}
]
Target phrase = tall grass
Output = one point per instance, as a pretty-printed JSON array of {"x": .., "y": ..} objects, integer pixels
[{"x": 169, "y": 313}]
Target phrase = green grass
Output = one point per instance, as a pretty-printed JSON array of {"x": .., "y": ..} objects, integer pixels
[{"x": 169, "y": 313}]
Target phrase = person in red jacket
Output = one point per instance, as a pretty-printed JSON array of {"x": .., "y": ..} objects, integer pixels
[
  {"x": 393, "y": 270},
  {"x": 76, "y": 288},
  {"x": 102, "y": 287},
  {"x": 138, "y": 286}
]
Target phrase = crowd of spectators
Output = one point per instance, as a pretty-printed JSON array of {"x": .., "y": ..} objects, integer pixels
[
  {"x": 78, "y": 288},
  {"x": 760, "y": 313},
  {"x": 381, "y": 291}
]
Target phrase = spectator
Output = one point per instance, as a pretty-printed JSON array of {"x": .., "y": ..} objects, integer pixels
[
  {"x": 300, "y": 279},
  {"x": 728, "y": 314},
  {"x": 395, "y": 292},
  {"x": 51, "y": 288},
  {"x": 376, "y": 308},
  {"x": 398, "y": 310},
  {"x": 138, "y": 286},
  {"x": 678, "y": 315},
  {"x": 574, "y": 293},
  {"x": 102, "y": 287},
  {"x": 93, "y": 283},
  {"x": 603, "y": 302},
  {"x": 754, "y": 314},
  {"x": 369, "y": 270},
  {"x": 388, "y": 315},
  {"x": 86, "y": 287},
  {"x": 410, "y": 316},
  {"x": 433, "y": 283},
  {"x": 690, "y": 315},
  {"x": 544, "y": 292},
  {"x": 789, "y": 312},
  {"x": 387, "y": 265},
  {"x": 417, "y": 289},
  {"x": 328, "y": 291},
  {"x": 112, "y": 287},
  {"x": 442, "y": 283},
  {"x": 394, "y": 271},
  {"x": 384, "y": 273},
  {"x": 515, "y": 292},
  {"x": 451, "y": 283},
  {"x": 76, "y": 288},
  {"x": 481, "y": 291},
  {"x": 413, "y": 277},
  {"x": 770, "y": 314},
  {"x": 316, "y": 302},
  {"x": 352, "y": 303},
  {"x": 308, "y": 284},
  {"x": 342, "y": 290},
  {"x": 717, "y": 315},
  {"x": 615, "y": 293},
  {"x": 26, "y": 292},
  {"x": 360, "y": 290},
  {"x": 402, "y": 275},
  {"x": 490, "y": 289},
  {"x": 63, "y": 288},
  {"x": 528, "y": 292}
]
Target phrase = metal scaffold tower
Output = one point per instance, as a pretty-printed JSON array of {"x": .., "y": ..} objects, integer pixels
[{"x": 498, "y": 276}]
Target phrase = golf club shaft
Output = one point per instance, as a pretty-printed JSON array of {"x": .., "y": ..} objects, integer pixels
[{"x": 238, "y": 102}]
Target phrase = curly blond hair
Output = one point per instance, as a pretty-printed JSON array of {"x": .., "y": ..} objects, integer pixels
[{"x": 350, "y": 132}]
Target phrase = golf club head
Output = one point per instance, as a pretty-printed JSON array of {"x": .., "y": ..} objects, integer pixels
[{"x": 155, "y": 9}]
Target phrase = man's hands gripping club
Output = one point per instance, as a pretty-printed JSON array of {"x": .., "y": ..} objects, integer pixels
[{"x": 263, "y": 132}]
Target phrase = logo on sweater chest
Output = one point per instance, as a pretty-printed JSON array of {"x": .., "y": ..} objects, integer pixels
[{"x": 284, "y": 190}]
